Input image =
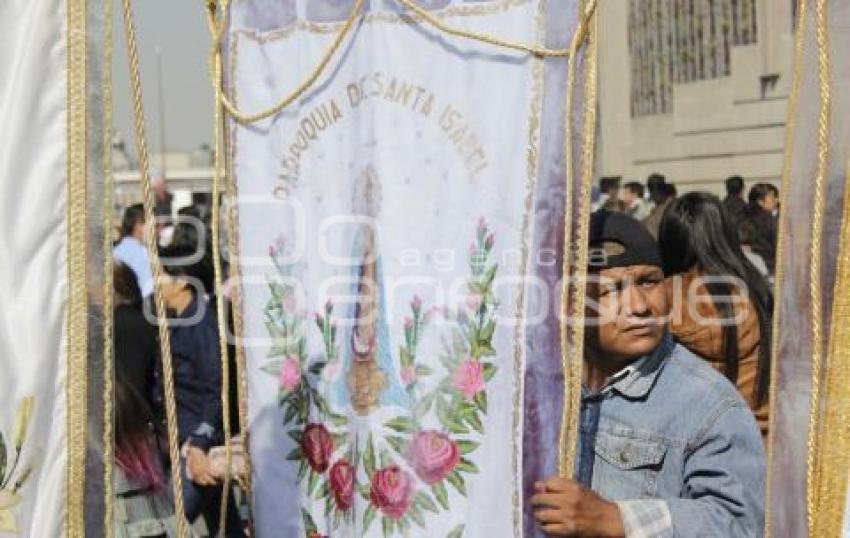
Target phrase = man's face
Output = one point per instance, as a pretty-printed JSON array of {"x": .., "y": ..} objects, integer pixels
[
  {"x": 769, "y": 202},
  {"x": 627, "y": 197},
  {"x": 627, "y": 310}
]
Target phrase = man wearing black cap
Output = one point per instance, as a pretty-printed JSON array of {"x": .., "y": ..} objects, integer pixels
[{"x": 666, "y": 445}]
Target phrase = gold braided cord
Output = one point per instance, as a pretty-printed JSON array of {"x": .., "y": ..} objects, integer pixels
[
  {"x": 569, "y": 421},
  {"x": 437, "y": 23},
  {"x": 815, "y": 292},
  {"x": 108, "y": 313},
  {"x": 834, "y": 448},
  {"x": 344, "y": 30},
  {"x": 243, "y": 117},
  {"x": 779, "y": 280},
  {"x": 218, "y": 143},
  {"x": 76, "y": 390},
  {"x": 150, "y": 242},
  {"x": 237, "y": 309},
  {"x": 579, "y": 274}
]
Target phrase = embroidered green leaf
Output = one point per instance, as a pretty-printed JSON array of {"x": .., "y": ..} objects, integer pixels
[
  {"x": 403, "y": 524},
  {"x": 456, "y": 427},
  {"x": 399, "y": 444},
  {"x": 424, "y": 500},
  {"x": 369, "y": 457},
  {"x": 272, "y": 368},
  {"x": 297, "y": 435},
  {"x": 466, "y": 466},
  {"x": 340, "y": 439},
  {"x": 475, "y": 422},
  {"x": 364, "y": 491},
  {"x": 457, "y": 532},
  {"x": 489, "y": 275},
  {"x": 415, "y": 514},
  {"x": 302, "y": 470},
  {"x": 295, "y": 455},
  {"x": 404, "y": 356},
  {"x": 489, "y": 370},
  {"x": 290, "y": 414},
  {"x": 487, "y": 330},
  {"x": 464, "y": 409},
  {"x": 441, "y": 494},
  {"x": 443, "y": 414},
  {"x": 338, "y": 420},
  {"x": 401, "y": 424},
  {"x": 481, "y": 401},
  {"x": 424, "y": 405},
  {"x": 386, "y": 459},
  {"x": 387, "y": 525},
  {"x": 368, "y": 517},
  {"x": 2, "y": 458},
  {"x": 423, "y": 371},
  {"x": 467, "y": 446},
  {"x": 312, "y": 482},
  {"x": 485, "y": 350},
  {"x": 456, "y": 481},
  {"x": 309, "y": 524},
  {"x": 324, "y": 491}
]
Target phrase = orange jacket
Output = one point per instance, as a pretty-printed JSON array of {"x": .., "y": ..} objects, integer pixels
[{"x": 688, "y": 326}]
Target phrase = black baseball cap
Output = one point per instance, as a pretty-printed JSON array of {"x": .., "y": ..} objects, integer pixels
[{"x": 618, "y": 240}]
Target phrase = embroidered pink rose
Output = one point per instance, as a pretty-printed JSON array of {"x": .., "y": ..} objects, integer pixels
[
  {"x": 391, "y": 491},
  {"x": 408, "y": 376},
  {"x": 317, "y": 445},
  {"x": 469, "y": 378},
  {"x": 433, "y": 456},
  {"x": 342, "y": 484},
  {"x": 290, "y": 374}
]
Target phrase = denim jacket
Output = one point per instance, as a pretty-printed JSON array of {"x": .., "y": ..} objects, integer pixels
[{"x": 670, "y": 441}]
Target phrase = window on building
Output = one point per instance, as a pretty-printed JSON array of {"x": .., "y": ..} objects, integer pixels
[{"x": 680, "y": 41}]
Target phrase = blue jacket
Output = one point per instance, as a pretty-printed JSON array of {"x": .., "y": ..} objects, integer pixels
[
  {"x": 672, "y": 442},
  {"x": 196, "y": 360}
]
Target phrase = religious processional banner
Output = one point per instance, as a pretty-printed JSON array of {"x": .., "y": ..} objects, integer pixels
[{"x": 385, "y": 233}]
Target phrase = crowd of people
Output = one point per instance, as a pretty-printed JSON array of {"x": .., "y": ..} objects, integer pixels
[
  {"x": 681, "y": 285},
  {"x": 143, "y": 495}
]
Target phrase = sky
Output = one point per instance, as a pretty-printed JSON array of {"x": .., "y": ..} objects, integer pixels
[{"x": 179, "y": 29}]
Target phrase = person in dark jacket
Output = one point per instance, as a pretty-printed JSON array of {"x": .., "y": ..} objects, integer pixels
[
  {"x": 136, "y": 347},
  {"x": 196, "y": 359},
  {"x": 734, "y": 203},
  {"x": 763, "y": 204}
]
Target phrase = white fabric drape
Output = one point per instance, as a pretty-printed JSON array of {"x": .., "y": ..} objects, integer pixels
[{"x": 33, "y": 274}]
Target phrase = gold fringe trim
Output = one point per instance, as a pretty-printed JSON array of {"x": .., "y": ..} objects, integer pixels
[
  {"x": 834, "y": 429},
  {"x": 815, "y": 286},
  {"x": 108, "y": 313},
  {"x": 77, "y": 313}
]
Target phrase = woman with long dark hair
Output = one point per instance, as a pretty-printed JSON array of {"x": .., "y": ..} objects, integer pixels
[
  {"x": 722, "y": 307},
  {"x": 142, "y": 493}
]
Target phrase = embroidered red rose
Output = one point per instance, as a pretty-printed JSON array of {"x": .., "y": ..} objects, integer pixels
[
  {"x": 342, "y": 484},
  {"x": 392, "y": 491},
  {"x": 469, "y": 378},
  {"x": 317, "y": 445},
  {"x": 315, "y": 534},
  {"x": 433, "y": 455}
]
